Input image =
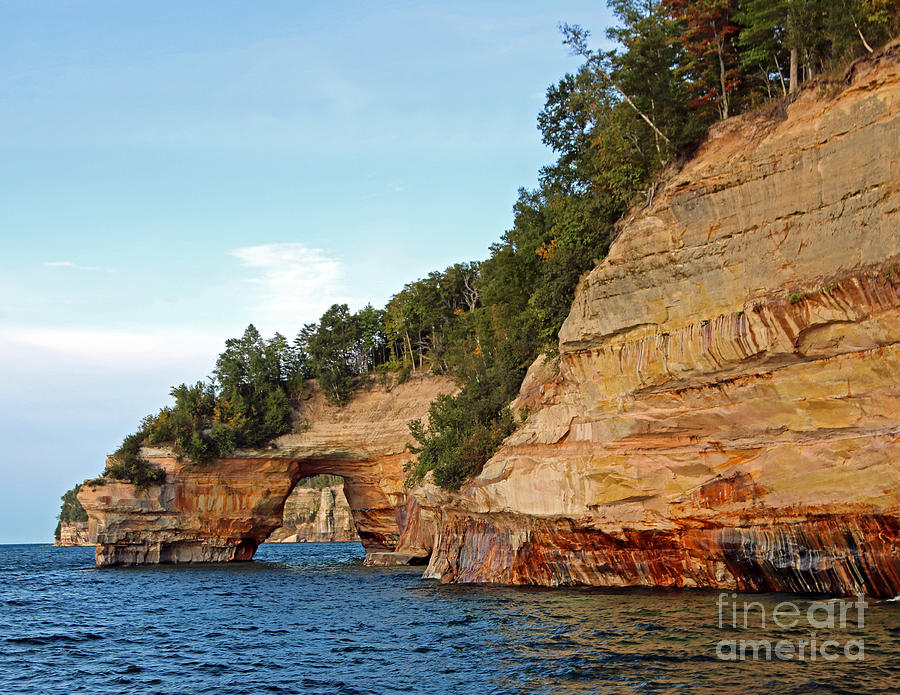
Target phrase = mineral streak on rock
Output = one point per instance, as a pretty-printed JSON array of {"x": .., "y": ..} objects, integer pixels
[
  {"x": 223, "y": 510},
  {"x": 815, "y": 555},
  {"x": 725, "y": 409}
]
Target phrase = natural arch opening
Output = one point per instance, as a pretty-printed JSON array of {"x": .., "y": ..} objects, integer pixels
[{"x": 316, "y": 511}]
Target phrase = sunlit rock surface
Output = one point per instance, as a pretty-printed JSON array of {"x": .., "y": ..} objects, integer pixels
[{"x": 725, "y": 409}]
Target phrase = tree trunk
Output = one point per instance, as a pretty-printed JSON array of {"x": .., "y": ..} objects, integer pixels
[
  {"x": 639, "y": 112},
  {"x": 780, "y": 76},
  {"x": 720, "y": 52},
  {"x": 795, "y": 64},
  {"x": 722, "y": 85},
  {"x": 412, "y": 356},
  {"x": 419, "y": 345},
  {"x": 865, "y": 43}
]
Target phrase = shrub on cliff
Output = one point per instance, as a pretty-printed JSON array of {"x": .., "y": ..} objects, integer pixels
[
  {"x": 246, "y": 403},
  {"x": 126, "y": 463},
  {"x": 321, "y": 481},
  {"x": 465, "y": 430},
  {"x": 458, "y": 443}
]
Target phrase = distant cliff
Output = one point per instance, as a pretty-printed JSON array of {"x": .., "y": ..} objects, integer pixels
[
  {"x": 75, "y": 533},
  {"x": 725, "y": 408},
  {"x": 312, "y": 513},
  {"x": 73, "y": 527},
  {"x": 316, "y": 513}
]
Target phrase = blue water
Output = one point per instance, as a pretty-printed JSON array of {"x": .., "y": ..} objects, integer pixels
[{"x": 309, "y": 618}]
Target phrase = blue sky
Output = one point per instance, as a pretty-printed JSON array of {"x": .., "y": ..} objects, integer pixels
[{"x": 170, "y": 172}]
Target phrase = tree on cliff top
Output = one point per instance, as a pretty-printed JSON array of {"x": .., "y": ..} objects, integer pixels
[
  {"x": 709, "y": 37},
  {"x": 788, "y": 41}
]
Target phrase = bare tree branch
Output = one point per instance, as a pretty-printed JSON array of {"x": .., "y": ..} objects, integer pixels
[{"x": 576, "y": 39}]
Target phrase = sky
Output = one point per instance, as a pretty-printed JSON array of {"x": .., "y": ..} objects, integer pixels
[{"x": 171, "y": 171}]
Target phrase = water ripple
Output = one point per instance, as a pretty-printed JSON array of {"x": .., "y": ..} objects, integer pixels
[{"x": 309, "y": 618}]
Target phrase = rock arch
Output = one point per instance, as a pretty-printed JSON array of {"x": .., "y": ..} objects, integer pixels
[{"x": 222, "y": 511}]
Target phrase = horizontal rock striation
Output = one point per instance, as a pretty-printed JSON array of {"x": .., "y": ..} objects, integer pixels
[
  {"x": 223, "y": 510},
  {"x": 725, "y": 408}
]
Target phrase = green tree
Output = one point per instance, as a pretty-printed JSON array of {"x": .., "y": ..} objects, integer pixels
[
  {"x": 646, "y": 65},
  {"x": 370, "y": 349},
  {"x": 789, "y": 41},
  {"x": 330, "y": 347},
  {"x": 763, "y": 41}
]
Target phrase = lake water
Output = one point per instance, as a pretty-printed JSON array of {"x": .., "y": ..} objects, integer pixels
[{"x": 310, "y": 618}]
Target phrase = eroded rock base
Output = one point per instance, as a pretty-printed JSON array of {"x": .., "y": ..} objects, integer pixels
[{"x": 828, "y": 555}]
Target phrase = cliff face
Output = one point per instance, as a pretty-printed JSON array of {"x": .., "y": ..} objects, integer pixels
[
  {"x": 223, "y": 510},
  {"x": 75, "y": 533},
  {"x": 313, "y": 515},
  {"x": 725, "y": 409}
]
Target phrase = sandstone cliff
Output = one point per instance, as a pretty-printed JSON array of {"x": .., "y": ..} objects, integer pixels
[
  {"x": 725, "y": 409},
  {"x": 75, "y": 533},
  {"x": 315, "y": 515},
  {"x": 223, "y": 510}
]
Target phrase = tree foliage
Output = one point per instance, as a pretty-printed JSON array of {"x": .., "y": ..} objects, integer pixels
[
  {"x": 708, "y": 33},
  {"x": 342, "y": 347},
  {"x": 784, "y": 42}
]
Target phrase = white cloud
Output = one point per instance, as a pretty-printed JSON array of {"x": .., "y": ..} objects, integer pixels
[
  {"x": 296, "y": 283},
  {"x": 70, "y": 264}
]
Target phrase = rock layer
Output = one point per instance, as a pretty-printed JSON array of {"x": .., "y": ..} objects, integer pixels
[
  {"x": 725, "y": 409},
  {"x": 223, "y": 510}
]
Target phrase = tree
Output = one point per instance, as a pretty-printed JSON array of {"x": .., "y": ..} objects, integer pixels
[
  {"x": 371, "y": 345},
  {"x": 809, "y": 36},
  {"x": 708, "y": 34},
  {"x": 330, "y": 347},
  {"x": 646, "y": 66},
  {"x": 576, "y": 39},
  {"x": 763, "y": 45}
]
